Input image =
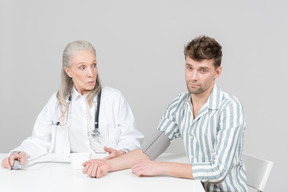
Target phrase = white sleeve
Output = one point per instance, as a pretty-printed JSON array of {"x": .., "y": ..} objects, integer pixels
[
  {"x": 130, "y": 138},
  {"x": 39, "y": 143}
]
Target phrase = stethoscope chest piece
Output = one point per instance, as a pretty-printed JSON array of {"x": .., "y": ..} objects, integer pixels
[{"x": 95, "y": 133}]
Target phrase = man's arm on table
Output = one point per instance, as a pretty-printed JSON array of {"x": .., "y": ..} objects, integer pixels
[
  {"x": 140, "y": 164},
  {"x": 100, "y": 167},
  {"x": 147, "y": 167}
]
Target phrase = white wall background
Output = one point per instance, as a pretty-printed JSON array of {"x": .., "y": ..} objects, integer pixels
[{"x": 140, "y": 52}]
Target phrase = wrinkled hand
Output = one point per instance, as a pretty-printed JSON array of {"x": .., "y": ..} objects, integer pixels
[
  {"x": 9, "y": 161},
  {"x": 146, "y": 167},
  {"x": 96, "y": 168},
  {"x": 113, "y": 153}
]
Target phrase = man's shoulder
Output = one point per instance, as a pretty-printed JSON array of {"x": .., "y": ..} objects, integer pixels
[
  {"x": 230, "y": 104},
  {"x": 228, "y": 99}
]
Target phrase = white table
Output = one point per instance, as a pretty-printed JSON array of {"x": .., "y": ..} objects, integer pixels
[{"x": 56, "y": 177}]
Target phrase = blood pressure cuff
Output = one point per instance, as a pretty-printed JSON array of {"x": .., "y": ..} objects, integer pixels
[{"x": 156, "y": 145}]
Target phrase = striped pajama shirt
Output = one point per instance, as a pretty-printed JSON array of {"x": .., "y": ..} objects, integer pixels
[{"x": 213, "y": 140}]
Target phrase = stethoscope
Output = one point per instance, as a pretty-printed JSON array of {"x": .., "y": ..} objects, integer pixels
[{"x": 95, "y": 132}]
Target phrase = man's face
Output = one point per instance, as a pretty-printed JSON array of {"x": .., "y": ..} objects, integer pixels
[{"x": 200, "y": 75}]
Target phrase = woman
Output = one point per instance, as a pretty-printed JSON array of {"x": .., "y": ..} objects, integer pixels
[{"x": 66, "y": 124}]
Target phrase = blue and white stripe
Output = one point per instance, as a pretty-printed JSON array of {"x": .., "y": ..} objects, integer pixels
[{"x": 213, "y": 139}]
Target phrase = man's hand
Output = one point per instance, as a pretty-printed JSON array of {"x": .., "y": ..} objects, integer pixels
[
  {"x": 113, "y": 153},
  {"x": 9, "y": 161},
  {"x": 96, "y": 168}
]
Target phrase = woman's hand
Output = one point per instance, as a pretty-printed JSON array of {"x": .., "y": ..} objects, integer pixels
[
  {"x": 9, "y": 161},
  {"x": 113, "y": 153}
]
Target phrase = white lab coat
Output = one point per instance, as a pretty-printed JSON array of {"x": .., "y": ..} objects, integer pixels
[{"x": 116, "y": 125}]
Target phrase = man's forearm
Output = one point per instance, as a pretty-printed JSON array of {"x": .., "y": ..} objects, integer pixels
[
  {"x": 151, "y": 168},
  {"x": 126, "y": 161},
  {"x": 177, "y": 170}
]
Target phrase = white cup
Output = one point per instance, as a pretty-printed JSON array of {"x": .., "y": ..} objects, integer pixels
[{"x": 77, "y": 159}]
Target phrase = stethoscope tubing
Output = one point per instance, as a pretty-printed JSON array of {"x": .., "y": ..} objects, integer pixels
[{"x": 95, "y": 132}]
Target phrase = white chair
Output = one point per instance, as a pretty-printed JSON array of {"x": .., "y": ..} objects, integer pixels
[{"x": 257, "y": 170}]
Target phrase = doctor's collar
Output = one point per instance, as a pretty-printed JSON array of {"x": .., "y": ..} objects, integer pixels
[{"x": 75, "y": 94}]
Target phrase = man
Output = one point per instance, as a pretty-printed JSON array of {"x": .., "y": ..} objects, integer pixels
[{"x": 210, "y": 121}]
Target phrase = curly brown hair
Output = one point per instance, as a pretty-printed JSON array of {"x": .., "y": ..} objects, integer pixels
[{"x": 204, "y": 47}]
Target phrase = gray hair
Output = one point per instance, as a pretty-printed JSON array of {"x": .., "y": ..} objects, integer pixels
[{"x": 66, "y": 83}]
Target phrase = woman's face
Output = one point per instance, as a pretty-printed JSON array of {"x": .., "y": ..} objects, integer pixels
[{"x": 83, "y": 71}]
